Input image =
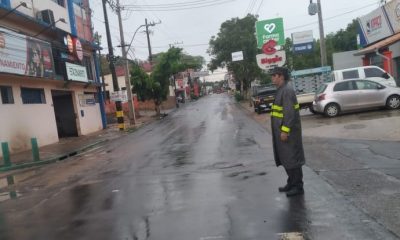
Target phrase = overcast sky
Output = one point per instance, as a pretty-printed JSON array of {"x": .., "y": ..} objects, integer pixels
[{"x": 192, "y": 28}]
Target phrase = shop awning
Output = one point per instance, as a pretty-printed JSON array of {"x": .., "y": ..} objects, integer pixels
[{"x": 381, "y": 44}]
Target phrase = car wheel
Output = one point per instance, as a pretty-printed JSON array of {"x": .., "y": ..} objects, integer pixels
[
  {"x": 312, "y": 110},
  {"x": 393, "y": 102},
  {"x": 259, "y": 111},
  {"x": 332, "y": 110}
]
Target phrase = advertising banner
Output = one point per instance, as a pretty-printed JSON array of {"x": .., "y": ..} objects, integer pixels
[
  {"x": 303, "y": 42},
  {"x": 375, "y": 26},
  {"x": 76, "y": 72},
  {"x": 267, "y": 62},
  {"x": 24, "y": 55},
  {"x": 270, "y": 29},
  {"x": 392, "y": 10}
]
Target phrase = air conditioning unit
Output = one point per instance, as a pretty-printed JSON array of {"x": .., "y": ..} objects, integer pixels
[{"x": 46, "y": 16}]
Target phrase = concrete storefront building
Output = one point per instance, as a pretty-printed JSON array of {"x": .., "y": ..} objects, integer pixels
[
  {"x": 380, "y": 38},
  {"x": 49, "y": 85}
]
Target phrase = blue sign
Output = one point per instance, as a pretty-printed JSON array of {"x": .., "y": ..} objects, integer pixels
[
  {"x": 303, "y": 47},
  {"x": 311, "y": 71}
]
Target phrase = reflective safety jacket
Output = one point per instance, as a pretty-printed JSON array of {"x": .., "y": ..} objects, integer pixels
[{"x": 285, "y": 117}]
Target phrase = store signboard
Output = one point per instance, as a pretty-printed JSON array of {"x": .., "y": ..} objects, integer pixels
[
  {"x": 270, "y": 29},
  {"x": 76, "y": 72},
  {"x": 392, "y": 10},
  {"x": 267, "y": 62},
  {"x": 303, "y": 42},
  {"x": 23, "y": 55},
  {"x": 375, "y": 26}
]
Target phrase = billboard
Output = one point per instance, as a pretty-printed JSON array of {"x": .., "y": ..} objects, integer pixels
[
  {"x": 270, "y": 29},
  {"x": 23, "y": 55},
  {"x": 375, "y": 26},
  {"x": 303, "y": 42},
  {"x": 392, "y": 10}
]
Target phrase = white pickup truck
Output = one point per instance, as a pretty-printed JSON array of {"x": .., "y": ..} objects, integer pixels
[{"x": 306, "y": 101}]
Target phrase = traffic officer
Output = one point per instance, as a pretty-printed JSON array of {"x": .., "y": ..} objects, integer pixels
[{"x": 286, "y": 132}]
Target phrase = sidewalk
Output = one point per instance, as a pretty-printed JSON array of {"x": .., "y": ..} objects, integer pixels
[{"x": 68, "y": 147}]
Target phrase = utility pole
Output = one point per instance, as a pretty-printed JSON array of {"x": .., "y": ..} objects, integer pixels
[
  {"x": 132, "y": 117},
  {"x": 324, "y": 60},
  {"x": 148, "y": 42},
  {"x": 111, "y": 59},
  {"x": 312, "y": 10}
]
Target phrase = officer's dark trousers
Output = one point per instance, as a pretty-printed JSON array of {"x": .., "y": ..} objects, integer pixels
[{"x": 295, "y": 177}]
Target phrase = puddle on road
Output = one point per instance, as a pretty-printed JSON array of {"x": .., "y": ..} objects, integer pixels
[
  {"x": 291, "y": 236},
  {"x": 8, "y": 182},
  {"x": 4, "y": 196},
  {"x": 354, "y": 126}
]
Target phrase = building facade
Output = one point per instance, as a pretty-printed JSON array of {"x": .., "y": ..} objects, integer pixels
[{"x": 49, "y": 85}]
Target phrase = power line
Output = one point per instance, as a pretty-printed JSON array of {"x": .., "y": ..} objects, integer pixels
[
  {"x": 138, "y": 8},
  {"x": 174, "y": 5}
]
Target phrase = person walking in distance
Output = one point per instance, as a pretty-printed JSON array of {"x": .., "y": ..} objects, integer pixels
[{"x": 286, "y": 132}]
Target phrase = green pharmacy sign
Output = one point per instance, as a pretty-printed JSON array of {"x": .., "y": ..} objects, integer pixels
[{"x": 270, "y": 29}]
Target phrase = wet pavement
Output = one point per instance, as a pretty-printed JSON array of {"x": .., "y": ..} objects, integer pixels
[{"x": 204, "y": 172}]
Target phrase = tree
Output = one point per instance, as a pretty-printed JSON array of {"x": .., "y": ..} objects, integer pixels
[
  {"x": 167, "y": 65},
  {"x": 342, "y": 40},
  {"x": 141, "y": 83},
  {"x": 236, "y": 35}
]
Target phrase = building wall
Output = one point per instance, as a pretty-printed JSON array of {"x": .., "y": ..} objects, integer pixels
[
  {"x": 20, "y": 122},
  {"x": 91, "y": 121},
  {"x": 345, "y": 60},
  {"x": 40, "y": 5},
  {"x": 109, "y": 82}
]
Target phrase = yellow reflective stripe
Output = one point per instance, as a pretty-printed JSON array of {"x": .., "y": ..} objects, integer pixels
[
  {"x": 276, "y": 114},
  {"x": 120, "y": 114},
  {"x": 277, "y": 107},
  {"x": 285, "y": 129},
  {"x": 121, "y": 126},
  {"x": 297, "y": 106}
]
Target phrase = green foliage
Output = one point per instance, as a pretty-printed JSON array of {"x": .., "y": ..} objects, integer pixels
[
  {"x": 238, "y": 97},
  {"x": 236, "y": 35},
  {"x": 141, "y": 82},
  {"x": 342, "y": 40}
]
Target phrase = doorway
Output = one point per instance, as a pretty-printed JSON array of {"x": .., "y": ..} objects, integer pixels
[{"x": 64, "y": 113}]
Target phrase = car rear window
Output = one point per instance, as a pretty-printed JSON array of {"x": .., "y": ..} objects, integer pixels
[
  {"x": 350, "y": 74},
  {"x": 322, "y": 88},
  {"x": 343, "y": 86}
]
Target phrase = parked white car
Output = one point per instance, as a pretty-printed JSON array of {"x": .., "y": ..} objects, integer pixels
[
  {"x": 356, "y": 94},
  {"x": 367, "y": 72}
]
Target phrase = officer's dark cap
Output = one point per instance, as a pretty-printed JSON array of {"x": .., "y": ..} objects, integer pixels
[{"x": 281, "y": 71}]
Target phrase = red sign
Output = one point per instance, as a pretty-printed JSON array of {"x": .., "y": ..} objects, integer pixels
[
  {"x": 70, "y": 44},
  {"x": 269, "y": 47},
  {"x": 78, "y": 49}
]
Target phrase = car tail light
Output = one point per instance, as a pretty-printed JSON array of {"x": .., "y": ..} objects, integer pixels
[{"x": 321, "y": 97}]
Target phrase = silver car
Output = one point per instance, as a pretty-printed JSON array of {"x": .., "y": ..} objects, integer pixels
[{"x": 356, "y": 94}]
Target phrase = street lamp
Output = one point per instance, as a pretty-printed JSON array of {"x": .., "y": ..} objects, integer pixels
[
  {"x": 22, "y": 4},
  {"x": 50, "y": 26},
  {"x": 313, "y": 9}
]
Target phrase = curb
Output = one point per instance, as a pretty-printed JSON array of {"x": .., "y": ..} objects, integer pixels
[{"x": 52, "y": 160}]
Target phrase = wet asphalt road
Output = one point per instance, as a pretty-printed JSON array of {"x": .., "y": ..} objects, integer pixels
[{"x": 204, "y": 172}]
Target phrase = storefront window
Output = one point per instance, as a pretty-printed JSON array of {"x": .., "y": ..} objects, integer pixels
[{"x": 88, "y": 64}]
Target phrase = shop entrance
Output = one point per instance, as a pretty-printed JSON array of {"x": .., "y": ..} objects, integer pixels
[{"x": 64, "y": 113}]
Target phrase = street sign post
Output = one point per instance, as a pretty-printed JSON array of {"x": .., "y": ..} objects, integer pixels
[
  {"x": 270, "y": 29},
  {"x": 237, "y": 56},
  {"x": 121, "y": 96}
]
